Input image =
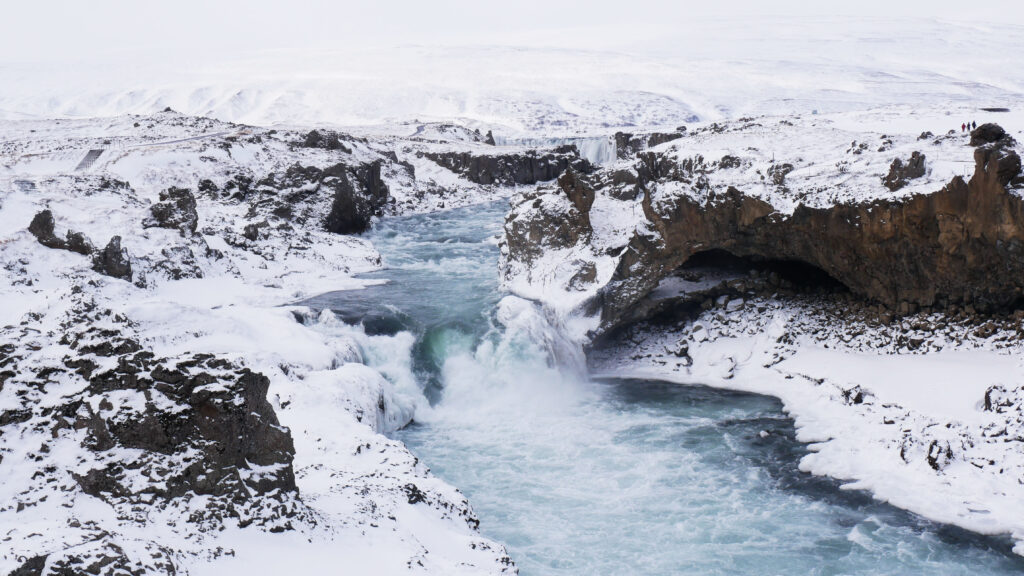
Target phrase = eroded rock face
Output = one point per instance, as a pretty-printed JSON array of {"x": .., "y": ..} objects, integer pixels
[
  {"x": 343, "y": 197},
  {"x": 354, "y": 205},
  {"x": 508, "y": 169},
  {"x": 961, "y": 245}
]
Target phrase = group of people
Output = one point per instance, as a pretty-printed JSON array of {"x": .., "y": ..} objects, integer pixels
[{"x": 968, "y": 126}]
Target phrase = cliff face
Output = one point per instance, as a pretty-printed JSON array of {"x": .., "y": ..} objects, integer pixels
[
  {"x": 963, "y": 244},
  {"x": 513, "y": 168}
]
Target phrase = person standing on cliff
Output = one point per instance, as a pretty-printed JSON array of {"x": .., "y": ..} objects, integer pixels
[
  {"x": 963, "y": 127},
  {"x": 974, "y": 125}
]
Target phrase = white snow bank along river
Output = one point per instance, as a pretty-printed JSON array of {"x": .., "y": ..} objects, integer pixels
[{"x": 609, "y": 477}]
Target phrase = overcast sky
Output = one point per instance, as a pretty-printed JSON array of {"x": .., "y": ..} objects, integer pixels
[{"x": 32, "y": 30}]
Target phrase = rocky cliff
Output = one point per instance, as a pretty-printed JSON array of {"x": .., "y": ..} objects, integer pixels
[
  {"x": 513, "y": 168},
  {"x": 962, "y": 244}
]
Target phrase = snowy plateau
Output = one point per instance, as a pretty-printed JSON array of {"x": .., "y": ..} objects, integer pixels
[{"x": 171, "y": 403}]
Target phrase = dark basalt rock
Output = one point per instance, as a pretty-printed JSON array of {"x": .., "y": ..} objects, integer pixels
[
  {"x": 176, "y": 210},
  {"x": 346, "y": 197},
  {"x": 901, "y": 173},
  {"x": 489, "y": 139},
  {"x": 987, "y": 133},
  {"x": 326, "y": 140},
  {"x": 42, "y": 228},
  {"x": 78, "y": 242},
  {"x": 627, "y": 144},
  {"x": 352, "y": 207},
  {"x": 113, "y": 261},
  {"x": 508, "y": 169}
]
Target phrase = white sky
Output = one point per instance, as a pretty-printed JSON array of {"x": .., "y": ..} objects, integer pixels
[{"x": 70, "y": 30}]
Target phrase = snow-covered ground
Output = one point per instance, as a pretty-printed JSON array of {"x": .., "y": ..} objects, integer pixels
[
  {"x": 672, "y": 66},
  {"x": 363, "y": 505}
]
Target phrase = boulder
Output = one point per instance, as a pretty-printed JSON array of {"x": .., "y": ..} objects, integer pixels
[
  {"x": 987, "y": 133},
  {"x": 901, "y": 173},
  {"x": 42, "y": 226},
  {"x": 113, "y": 261}
]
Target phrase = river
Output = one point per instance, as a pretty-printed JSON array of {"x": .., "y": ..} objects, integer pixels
[{"x": 581, "y": 477}]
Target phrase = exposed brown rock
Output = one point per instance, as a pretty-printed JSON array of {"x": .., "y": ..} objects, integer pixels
[{"x": 961, "y": 245}]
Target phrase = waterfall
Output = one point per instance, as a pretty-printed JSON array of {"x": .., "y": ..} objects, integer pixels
[{"x": 596, "y": 149}]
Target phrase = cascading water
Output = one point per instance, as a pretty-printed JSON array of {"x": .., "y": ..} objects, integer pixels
[
  {"x": 597, "y": 149},
  {"x": 581, "y": 477}
]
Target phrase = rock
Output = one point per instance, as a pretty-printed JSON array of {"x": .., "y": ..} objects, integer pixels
[
  {"x": 489, "y": 139},
  {"x": 778, "y": 173},
  {"x": 176, "y": 210},
  {"x": 998, "y": 161},
  {"x": 508, "y": 169},
  {"x": 326, "y": 140},
  {"x": 987, "y": 133},
  {"x": 78, "y": 242},
  {"x": 962, "y": 245},
  {"x": 352, "y": 208},
  {"x": 178, "y": 262},
  {"x": 42, "y": 226},
  {"x": 113, "y": 261},
  {"x": 900, "y": 174},
  {"x": 626, "y": 144},
  {"x": 256, "y": 230}
]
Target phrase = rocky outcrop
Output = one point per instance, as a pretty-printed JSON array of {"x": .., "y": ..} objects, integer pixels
[
  {"x": 508, "y": 169},
  {"x": 901, "y": 173},
  {"x": 627, "y": 144},
  {"x": 42, "y": 227},
  {"x": 113, "y": 261},
  {"x": 963, "y": 244},
  {"x": 325, "y": 140},
  {"x": 176, "y": 210},
  {"x": 988, "y": 133},
  {"x": 343, "y": 198},
  {"x": 356, "y": 202}
]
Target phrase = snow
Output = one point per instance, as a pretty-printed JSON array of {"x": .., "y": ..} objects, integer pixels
[{"x": 355, "y": 514}]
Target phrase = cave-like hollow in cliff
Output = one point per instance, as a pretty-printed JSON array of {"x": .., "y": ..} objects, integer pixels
[{"x": 796, "y": 275}]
